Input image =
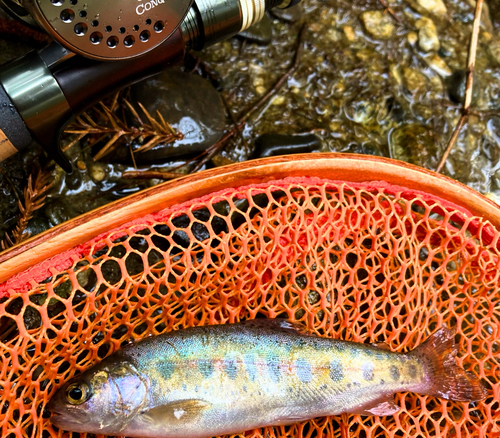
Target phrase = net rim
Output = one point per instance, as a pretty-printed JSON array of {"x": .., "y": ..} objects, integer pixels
[{"x": 369, "y": 171}]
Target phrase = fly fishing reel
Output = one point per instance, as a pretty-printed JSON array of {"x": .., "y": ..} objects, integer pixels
[
  {"x": 105, "y": 30},
  {"x": 101, "y": 46}
]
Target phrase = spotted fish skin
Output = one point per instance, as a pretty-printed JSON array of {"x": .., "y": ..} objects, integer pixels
[{"x": 223, "y": 379}]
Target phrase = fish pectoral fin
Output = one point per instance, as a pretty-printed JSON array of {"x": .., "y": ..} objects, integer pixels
[
  {"x": 381, "y": 407},
  {"x": 177, "y": 412},
  {"x": 276, "y": 323}
]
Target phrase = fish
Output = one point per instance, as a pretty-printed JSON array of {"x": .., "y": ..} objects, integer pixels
[{"x": 223, "y": 379}]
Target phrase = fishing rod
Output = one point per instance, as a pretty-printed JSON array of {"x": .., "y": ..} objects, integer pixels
[{"x": 99, "y": 48}]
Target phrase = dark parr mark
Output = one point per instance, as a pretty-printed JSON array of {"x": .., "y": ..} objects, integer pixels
[
  {"x": 206, "y": 367},
  {"x": 336, "y": 371},
  {"x": 250, "y": 367},
  {"x": 412, "y": 371},
  {"x": 231, "y": 367},
  {"x": 304, "y": 370},
  {"x": 273, "y": 367},
  {"x": 394, "y": 372},
  {"x": 167, "y": 369},
  {"x": 367, "y": 370}
]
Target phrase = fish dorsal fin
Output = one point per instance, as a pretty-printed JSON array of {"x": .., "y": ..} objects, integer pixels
[
  {"x": 382, "y": 346},
  {"x": 276, "y": 324},
  {"x": 381, "y": 407},
  {"x": 176, "y": 412}
]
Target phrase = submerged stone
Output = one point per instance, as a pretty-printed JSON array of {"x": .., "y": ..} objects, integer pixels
[
  {"x": 414, "y": 143},
  {"x": 272, "y": 144},
  {"x": 187, "y": 102},
  {"x": 378, "y": 24}
]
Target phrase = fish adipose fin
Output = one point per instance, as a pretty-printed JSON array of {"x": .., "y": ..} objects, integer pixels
[
  {"x": 446, "y": 379},
  {"x": 176, "y": 412},
  {"x": 382, "y": 406}
]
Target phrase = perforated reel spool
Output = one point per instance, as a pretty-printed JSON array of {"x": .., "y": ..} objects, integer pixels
[{"x": 109, "y": 30}]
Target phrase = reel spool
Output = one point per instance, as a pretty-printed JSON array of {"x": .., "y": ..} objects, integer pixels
[{"x": 104, "y": 30}]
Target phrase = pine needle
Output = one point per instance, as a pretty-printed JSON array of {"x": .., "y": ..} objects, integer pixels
[
  {"x": 101, "y": 121},
  {"x": 34, "y": 197}
]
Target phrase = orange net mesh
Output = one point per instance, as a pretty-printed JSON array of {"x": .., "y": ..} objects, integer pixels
[{"x": 361, "y": 262}]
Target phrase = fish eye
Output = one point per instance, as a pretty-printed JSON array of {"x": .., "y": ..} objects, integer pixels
[{"x": 77, "y": 393}]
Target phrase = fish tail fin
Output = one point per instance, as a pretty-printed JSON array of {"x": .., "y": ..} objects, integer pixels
[{"x": 446, "y": 379}]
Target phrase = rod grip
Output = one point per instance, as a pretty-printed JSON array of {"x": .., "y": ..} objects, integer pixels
[{"x": 14, "y": 135}]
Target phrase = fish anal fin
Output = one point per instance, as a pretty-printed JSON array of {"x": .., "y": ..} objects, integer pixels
[
  {"x": 276, "y": 324},
  {"x": 382, "y": 346},
  {"x": 292, "y": 418},
  {"x": 177, "y": 412},
  {"x": 380, "y": 407}
]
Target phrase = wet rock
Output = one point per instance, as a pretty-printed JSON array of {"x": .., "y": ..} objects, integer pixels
[
  {"x": 436, "y": 63},
  {"x": 428, "y": 39},
  {"x": 494, "y": 50},
  {"x": 436, "y": 7},
  {"x": 190, "y": 104},
  {"x": 290, "y": 15},
  {"x": 272, "y": 144},
  {"x": 455, "y": 84},
  {"x": 378, "y": 24},
  {"x": 413, "y": 80},
  {"x": 59, "y": 211},
  {"x": 260, "y": 33},
  {"x": 97, "y": 171},
  {"x": 349, "y": 33},
  {"x": 415, "y": 144},
  {"x": 37, "y": 225}
]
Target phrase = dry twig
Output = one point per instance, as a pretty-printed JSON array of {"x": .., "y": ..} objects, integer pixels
[
  {"x": 151, "y": 134},
  {"x": 150, "y": 174},
  {"x": 389, "y": 10},
  {"x": 469, "y": 84},
  {"x": 34, "y": 197}
]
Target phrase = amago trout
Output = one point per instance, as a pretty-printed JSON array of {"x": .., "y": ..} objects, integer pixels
[{"x": 223, "y": 379}]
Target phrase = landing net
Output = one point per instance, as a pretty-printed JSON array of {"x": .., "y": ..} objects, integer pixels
[{"x": 361, "y": 262}]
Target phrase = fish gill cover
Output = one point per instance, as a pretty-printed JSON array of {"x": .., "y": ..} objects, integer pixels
[{"x": 361, "y": 262}]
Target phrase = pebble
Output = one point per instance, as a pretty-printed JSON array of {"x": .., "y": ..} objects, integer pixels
[
  {"x": 436, "y": 7},
  {"x": 412, "y": 37},
  {"x": 414, "y": 80},
  {"x": 190, "y": 104},
  {"x": 260, "y": 33},
  {"x": 378, "y": 24},
  {"x": 436, "y": 63},
  {"x": 349, "y": 33},
  {"x": 98, "y": 171},
  {"x": 428, "y": 39}
]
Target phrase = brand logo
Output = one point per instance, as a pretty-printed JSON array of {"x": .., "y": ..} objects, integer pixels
[{"x": 147, "y": 6}]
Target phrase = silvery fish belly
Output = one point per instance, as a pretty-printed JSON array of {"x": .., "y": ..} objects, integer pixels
[{"x": 224, "y": 379}]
